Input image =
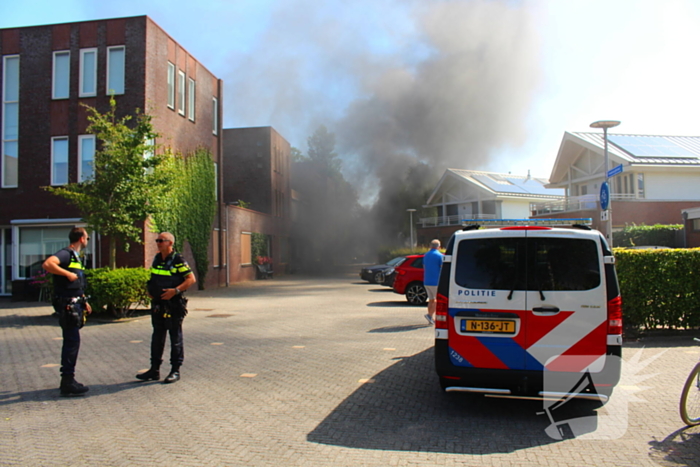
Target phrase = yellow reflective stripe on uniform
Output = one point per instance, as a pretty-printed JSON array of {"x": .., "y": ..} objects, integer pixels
[
  {"x": 75, "y": 265},
  {"x": 160, "y": 272},
  {"x": 183, "y": 269}
]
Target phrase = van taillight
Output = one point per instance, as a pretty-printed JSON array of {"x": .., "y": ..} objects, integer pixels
[
  {"x": 441, "y": 312},
  {"x": 615, "y": 315}
]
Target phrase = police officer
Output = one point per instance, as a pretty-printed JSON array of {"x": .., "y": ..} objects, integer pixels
[
  {"x": 70, "y": 304},
  {"x": 170, "y": 277}
]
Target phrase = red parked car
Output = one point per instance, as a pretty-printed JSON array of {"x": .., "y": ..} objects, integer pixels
[{"x": 409, "y": 280}]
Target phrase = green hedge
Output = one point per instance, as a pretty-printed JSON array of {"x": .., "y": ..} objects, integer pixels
[
  {"x": 648, "y": 235},
  {"x": 386, "y": 254},
  {"x": 117, "y": 291},
  {"x": 659, "y": 287}
]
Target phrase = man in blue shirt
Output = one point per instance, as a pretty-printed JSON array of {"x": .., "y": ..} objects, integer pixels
[{"x": 432, "y": 263}]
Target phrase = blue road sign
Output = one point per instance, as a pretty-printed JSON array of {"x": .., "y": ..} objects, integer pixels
[
  {"x": 604, "y": 196},
  {"x": 615, "y": 170}
]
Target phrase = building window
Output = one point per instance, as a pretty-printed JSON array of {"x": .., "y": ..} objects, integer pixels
[
  {"x": 181, "y": 92},
  {"x": 171, "y": 85},
  {"x": 190, "y": 99},
  {"x": 215, "y": 116},
  {"x": 36, "y": 244},
  {"x": 86, "y": 157},
  {"x": 10, "y": 121},
  {"x": 216, "y": 181},
  {"x": 115, "y": 70},
  {"x": 246, "y": 248},
  {"x": 59, "y": 160},
  {"x": 696, "y": 225},
  {"x": 5, "y": 261},
  {"x": 88, "y": 72},
  {"x": 61, "y": 75},
  {"x": 215, "y": 243},
  {"x": 640, "y": 186}
]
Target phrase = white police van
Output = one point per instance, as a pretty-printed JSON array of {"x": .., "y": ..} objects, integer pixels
[{"x": 527, "y": 306}]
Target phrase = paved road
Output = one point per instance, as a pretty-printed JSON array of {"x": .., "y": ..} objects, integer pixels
[{"x": 309, "y": 372}]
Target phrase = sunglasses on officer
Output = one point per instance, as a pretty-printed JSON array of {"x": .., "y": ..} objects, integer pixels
[{"x": 161, "y": 240}]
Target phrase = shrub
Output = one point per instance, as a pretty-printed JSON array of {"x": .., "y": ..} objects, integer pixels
[
  {"x": 117, "y": 291},
  {"x": 640, "y": 235},
  {"x": 659, "y": 287},
  {"x": 388, "y": 254}
]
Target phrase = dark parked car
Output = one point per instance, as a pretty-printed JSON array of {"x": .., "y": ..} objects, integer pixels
[
  {"x": 375, "y": 274},
  {"x": 409, "y": 280}
]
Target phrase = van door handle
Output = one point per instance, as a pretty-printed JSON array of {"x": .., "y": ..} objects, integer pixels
[{"x": 546, "y": 309}]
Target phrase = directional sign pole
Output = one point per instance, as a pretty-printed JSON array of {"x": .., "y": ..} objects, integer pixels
[{"x": 605, "y": 124}]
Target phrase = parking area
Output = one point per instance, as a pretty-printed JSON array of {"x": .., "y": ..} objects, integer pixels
[{"x": 311, "y": 371}]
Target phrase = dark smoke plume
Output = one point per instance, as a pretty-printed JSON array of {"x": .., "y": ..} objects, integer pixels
[{"x": 409, "y": 88}]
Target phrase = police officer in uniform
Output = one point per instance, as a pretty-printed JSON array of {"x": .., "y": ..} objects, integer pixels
[
  {"x": 70, "y": 304},
  {"x": 170, "y": 277}
]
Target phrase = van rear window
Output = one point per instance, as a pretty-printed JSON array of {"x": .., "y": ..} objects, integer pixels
[{"x": 528, "y": 264}]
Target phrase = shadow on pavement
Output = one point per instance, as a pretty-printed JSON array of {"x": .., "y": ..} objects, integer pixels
[
  {"x": 411, "y": 327},
  {"x": 680, "y": 448},
  {"x": 403, "y": 408},
  {"x": 403, "y": 304},
  {"x": 44, "y": 395},
  {"x": 22, "y": 321}
]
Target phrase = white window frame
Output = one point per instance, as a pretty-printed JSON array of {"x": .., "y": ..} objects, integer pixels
[
  {"x": 53, "y": 173},
  {"x": 54, "y": 74},
  {"x": 109, "y": 66},
  {"x": 215, "y": 127},
  {"x": 181, "y": 92},
  {"x": 82, "y": 138},
  {"x": 171, "y": 86},
  {"x": 191, "y": 88},
  {"x": 17, "y": 226},
  {"x": 82, "y": 92},
  {"x": 3, "y": 123}
]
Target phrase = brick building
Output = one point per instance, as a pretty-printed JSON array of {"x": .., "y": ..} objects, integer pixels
[
  {"x": 256, "y": 170},
  {"x": 48, "y": 73}
]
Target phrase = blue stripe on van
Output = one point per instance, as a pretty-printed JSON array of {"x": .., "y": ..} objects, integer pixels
[
  {"x": 506, "y": 350},
  {"x": 457, "y": 360}
]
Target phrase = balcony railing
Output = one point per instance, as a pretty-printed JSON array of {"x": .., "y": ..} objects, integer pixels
[
  {"x": 440, "y": 221},
  {"x": 576, "y": 203}
]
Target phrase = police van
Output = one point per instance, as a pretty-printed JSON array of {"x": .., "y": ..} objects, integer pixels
[{"x": 526, "y": 307}]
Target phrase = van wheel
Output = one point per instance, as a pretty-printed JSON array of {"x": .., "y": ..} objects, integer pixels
[{"x": 416, "y": 294}]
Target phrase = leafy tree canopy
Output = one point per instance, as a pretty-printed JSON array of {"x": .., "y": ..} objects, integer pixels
[{"x": 125, "y": 179}]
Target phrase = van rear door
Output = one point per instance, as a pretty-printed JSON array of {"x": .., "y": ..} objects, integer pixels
[
  {"x": 566, "y": 301},
  {"x": 487, "y": 302}
]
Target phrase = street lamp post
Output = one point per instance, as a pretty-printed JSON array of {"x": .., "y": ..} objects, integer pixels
[
  {"x": 605, "y": 124},
  {"x": 410, "y": 212}
]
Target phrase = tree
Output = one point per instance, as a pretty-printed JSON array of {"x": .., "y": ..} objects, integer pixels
[
  {"x": 125, "y": 180},
  {"x": 296, "y": 155},
  {"x": 188, "y": 205},
  {"x": 322, "y": 150}
]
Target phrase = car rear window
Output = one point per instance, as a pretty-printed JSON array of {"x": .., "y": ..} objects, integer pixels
[{"x": 527, "y": 264}]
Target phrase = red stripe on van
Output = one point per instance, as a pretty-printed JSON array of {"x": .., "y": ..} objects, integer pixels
[
  {"x": 476, "y": 353},
  {"x": 585, "y": 351}
]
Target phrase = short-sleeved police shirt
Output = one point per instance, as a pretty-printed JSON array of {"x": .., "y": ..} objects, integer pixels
[{"x": 168, "y": 272}]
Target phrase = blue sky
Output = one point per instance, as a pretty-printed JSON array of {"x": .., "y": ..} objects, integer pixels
[{"x": 507, "y": 78}]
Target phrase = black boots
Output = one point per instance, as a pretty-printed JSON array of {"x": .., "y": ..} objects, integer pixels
[
  {"x": 172, "y": 377},
  {"x": 152, "y": 374},
  {"x": 70, "y": 387}
]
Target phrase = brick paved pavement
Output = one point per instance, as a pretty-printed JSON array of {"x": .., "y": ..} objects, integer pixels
[{"x": 305, "y": 372}]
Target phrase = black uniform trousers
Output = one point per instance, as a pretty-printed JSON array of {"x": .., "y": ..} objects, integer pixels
[
  {"x": 162, "y": 326},
  {"x": 71, "y": 340}
]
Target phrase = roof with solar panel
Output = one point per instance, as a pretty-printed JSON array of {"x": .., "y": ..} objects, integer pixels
[
  {"x": 647, "y": 149},
  {"x": 520, "y": 186}
]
